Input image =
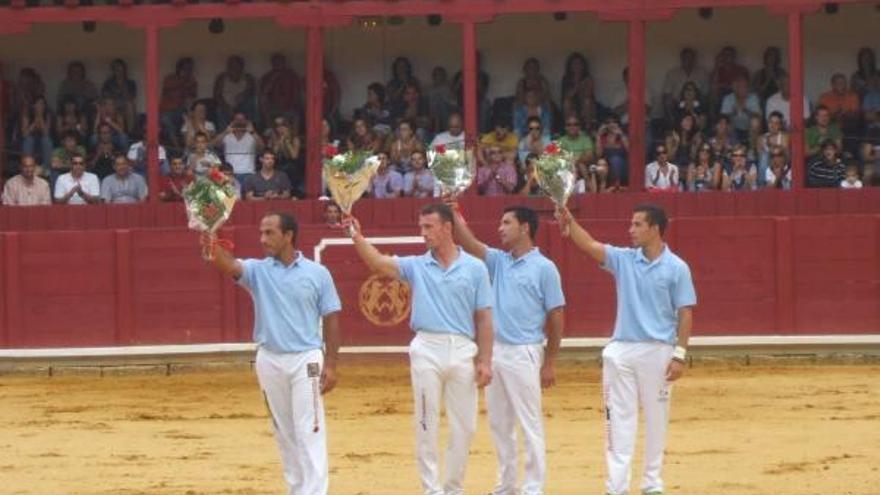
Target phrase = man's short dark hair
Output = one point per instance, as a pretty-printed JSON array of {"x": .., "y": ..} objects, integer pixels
[
  {"x": 286, "y": 221},
  {"x": 268, "y": 151},
  {"x": 654, "y": 215},
  {"x": 527, "y": 215},
  {"x": 501, "y": 121},
  {"x": 227, "y": 167},
  {"x": 443, "y": 210}
]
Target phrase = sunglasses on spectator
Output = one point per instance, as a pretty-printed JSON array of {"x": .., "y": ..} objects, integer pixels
[
  {"x": 538, "y": 128},
  {"x": 77, "y": 162}
]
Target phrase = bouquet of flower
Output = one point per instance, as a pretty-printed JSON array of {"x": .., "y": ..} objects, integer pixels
[
  {"x": 555, "y": 173},
  {"x": 348, "y": 175},
  {"x": 454, "y": 168},
  {"x": 209, "y": 201}
]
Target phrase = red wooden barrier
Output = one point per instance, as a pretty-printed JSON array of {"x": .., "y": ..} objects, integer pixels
[{"x": 754, "y": 275}]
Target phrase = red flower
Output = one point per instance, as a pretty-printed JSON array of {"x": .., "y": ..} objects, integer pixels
[
  {"x": 217, "y": 176},
  {"x": 552, "y": 148},
  {"x": 330, "y": 151},
  {"x": 210, "y": 212},
  {"x": 440, "y": 149}
]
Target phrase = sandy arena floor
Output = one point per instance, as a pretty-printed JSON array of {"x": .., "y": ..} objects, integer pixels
[{"x": 735, "y": 430}]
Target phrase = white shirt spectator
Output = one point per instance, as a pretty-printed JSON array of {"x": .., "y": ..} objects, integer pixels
[
  {"x": 740, "y": 115},
  {"x": 129, "y": 189},
  {"x": 87, "y": 181},
  {"x": 137, "y": 154},
  {"x": 209, "y": 126},
  {"x": 777, "y": 103},
  {"x": 240, "y": 153},
  {"x": 770, "y": 178},
  {"x": 656, "y": 179},
  {"x": 845, "y": 184},
  {"x": 676, "y": 79},
  {"x": 448, "y": 140}
]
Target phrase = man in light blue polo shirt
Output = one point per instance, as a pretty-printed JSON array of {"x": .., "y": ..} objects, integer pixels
[
  {"x": 655, "y": 300},
  {"x": 451, "y": 354},
  {"x": 291, "y": 295},
  {"x": 528, "y": 302}
]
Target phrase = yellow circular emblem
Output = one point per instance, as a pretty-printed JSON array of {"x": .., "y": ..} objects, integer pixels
[{"x": 384, "y": 301}]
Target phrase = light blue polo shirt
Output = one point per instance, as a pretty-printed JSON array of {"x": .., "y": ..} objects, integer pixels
[
  {"x": 649, "y": 293},
  {"x": 289, "y": 302},
  {"x": 444, "y": 301},
  {"x": 526, "y": 289}
]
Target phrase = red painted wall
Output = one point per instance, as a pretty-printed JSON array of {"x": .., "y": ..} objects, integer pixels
[{"x": 755, "y": 274}]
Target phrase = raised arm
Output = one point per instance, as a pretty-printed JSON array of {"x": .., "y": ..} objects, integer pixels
[
  {"x": 375, "y": 261},
  {"x": 579, "y": 236},
  {"x": 466, "y": 237},
  {"x": 222, "y": 259}
]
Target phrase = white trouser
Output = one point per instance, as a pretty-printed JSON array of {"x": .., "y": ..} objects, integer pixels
[
  {"x": 291, "y": 384},
  {"x": 634, "y": 373},
  {"x": 442, "y": 364},
  {"x": 514, "y": 397}
]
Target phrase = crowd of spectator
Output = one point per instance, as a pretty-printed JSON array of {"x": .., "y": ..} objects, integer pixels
[{"x": 719, "y": 128}]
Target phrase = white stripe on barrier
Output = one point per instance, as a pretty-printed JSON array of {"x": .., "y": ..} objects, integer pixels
[{"x": 573, "y": 343}]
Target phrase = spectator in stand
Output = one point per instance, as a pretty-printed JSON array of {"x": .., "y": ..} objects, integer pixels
[
  {"x": 677, "y": 78},
  {"x": 613, "y": 146},
  {"x": 585, "y": 106},
  {"x": 775, "y": 138},
  {"x": 77, "y": 87},
  {"x": 683, "y": 141},
  {"x": 280, "y": 91},
  {"x": 532, "y": 106},
  {"x": 779, "y": 103},
  {"x": 71, "y": 119},
  {"x": 577, "y": 70},
  {"x": 871, "y": 106},
  {"x": 723, "y": 140},
  {"x": 103, "y": 161},
  {"x": 527, "y": 185},
  {"x": 743, "y": 175},
  {"x": 197, "y": 121},
  {"x": 766, "y": 81},
  {"x": 26, "y": 189},
  {"x": 387, "y": 183},
  {"x": 122, "y": 90},
  {"x": 173, "y": 184},
  {"x": 27, "y": 90},
  {"x": 498, "y": 176},
  {"x": 77, "y": 187},
  {"x": 704, "y": 174},
  {"x": 500, "y": 137},
  {"x": 332, "y": 95},
  {"x": 401, "y": 77},
  {"x": 229, "y": 172},
  {"x": 843, "y": 104},
  {"x": 333, "y": 215},
  {"x": 578, "y": 143},
  {"x": 362, "y": 137},
  {"x": 268, "y": 183},
  {"x": 823, "y": 130},
  {"x": 234, "y": 92},
  {"x": 419, "y": 182},
  {"x": 202, "y": 158},
  {"x": 283, "y": 139},
  {"x": 179, "y": 90},
  {"x": 778, "y": 173},
  {"x": 62, "y": 156},
  {"x": 851, "y": 179},
  {"x": 36, "y": 130},
  {"x": 740, "y": 107},
  {"x": 107, "y": 115},
  {"x": 660, "y": 175},
  {"x": 690, "y": 102},
  {"x": 826, "y": 170},
  {"x": 137, "y": 153},
  {"x": 241, "y": 143},
  {"x": 375, "y": 110},
  {"x": 123, "y": 186},
  {"x": 532, "y": 80},
  {"x": 403, "y": 146},
  {"x": 534, "y": 141},
  {"x": 753, "y": 141},
  {"x": 483, "y": 105},
  {"x": 727, "y": 70},
  {"x": 867, "y": 67},
  {"x": 441, "y": 99},
  {"x": 453, "y": 136},
  {"x": 413, "y": 108}
]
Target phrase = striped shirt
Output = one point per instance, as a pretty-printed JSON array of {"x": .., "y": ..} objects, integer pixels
[{"x": 820, "y": 174}]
